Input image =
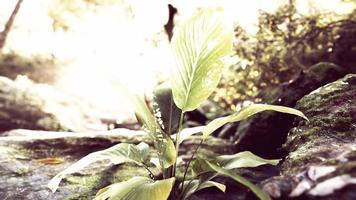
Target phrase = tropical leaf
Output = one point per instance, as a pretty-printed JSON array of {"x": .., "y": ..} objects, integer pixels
[
  {"x": 166, "y": 151},
  {"x": 203, "y": 166},
  {"x": 144, "y": 116},
  {"x": 117, "y": 154},
  {"x": 187, "y": 132},
  {"x": 142, "y": 112},
  {"x": 247, "y": 112},
  {"x": 162, "y": 142},
  {"x": 137, "y": 188},
  {"x": 166, "y": 112},
  {"x": 255, "y": 189},
  {"x": 208, "y": 184},
  {"x": 190, "y": 187},
  {"x": 198, "y": 47},
  {"x": 200, "y": 167},
  {"x": 243, "y": 159}
]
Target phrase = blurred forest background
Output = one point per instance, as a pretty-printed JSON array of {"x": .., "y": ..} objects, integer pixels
[
  {"x": 63, "y": 64},
  {"x": 84, "y": 47}
]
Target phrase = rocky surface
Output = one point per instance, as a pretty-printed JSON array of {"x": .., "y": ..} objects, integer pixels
[
  {"x": 25, "y": 104},
  {"x": 321, "y": 163},
  {"x": 264, "y": 133},
  {"x": 29, "y": 159},
  {"x": 37, "y": 68}
]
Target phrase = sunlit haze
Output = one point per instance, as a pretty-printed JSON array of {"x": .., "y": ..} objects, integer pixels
[{"x": 121, "y": 42}]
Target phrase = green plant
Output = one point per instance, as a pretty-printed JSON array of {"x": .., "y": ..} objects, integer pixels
[{"x": 198, "y": 48}]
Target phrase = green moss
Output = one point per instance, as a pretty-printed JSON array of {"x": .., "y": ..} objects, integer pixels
[
  {"x": 23, "y": 171},
  {"x": 87, "y": 185},
  {"x": 301, "y": 154},
  {"x": 127, "y": 171},
  {"x": 88, "y": 182},
  {"x": 308, "y": 133},
  {"x": 34, "y": 153}
]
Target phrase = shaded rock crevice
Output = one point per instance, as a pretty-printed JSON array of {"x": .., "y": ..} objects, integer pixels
[
  {"x": 321, "y": 163},
  {"x": 264, "y": 133}
]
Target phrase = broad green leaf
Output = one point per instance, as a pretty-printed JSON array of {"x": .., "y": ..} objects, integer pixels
[
  {"x": 247, "y": 112},
  {"x": 157, "y": 163},
  {"x": 200, "y": 168},
  {"x": 166, "y": 112},
  {"x": 206, "y": 166},
  {"x": 137, "y": 188},
  {"x": 208, "y": 184},
  {"x": 163, "y": 144},
  {"x": 255, "y": 189},
  {"x": 190, "y": 187},
  {"x": 166, "y": 151},
  {"x": 117, "y": 154},
  {"x": 242, "y": 159},
  {"x": 187, "y": 132},
  {"x": 143, "y": 114},
  {"x": 198, "y": 47}
]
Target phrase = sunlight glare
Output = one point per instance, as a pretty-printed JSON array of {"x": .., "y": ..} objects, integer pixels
[
  {"x": 306, "y": 7},
  {"x": 124, "y": 41}
]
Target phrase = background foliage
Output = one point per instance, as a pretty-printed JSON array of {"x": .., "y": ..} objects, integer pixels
[
  {"x": 286, "y": 43},
  {"x": 85, "y": 37}
]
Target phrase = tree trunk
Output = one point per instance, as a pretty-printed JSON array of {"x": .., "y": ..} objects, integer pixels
[{"x": 9, "y": 23}]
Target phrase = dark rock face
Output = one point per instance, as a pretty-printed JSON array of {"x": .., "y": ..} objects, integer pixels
[
  {"x": 322, "y": 154},
  {"x": 264, "y": 133}
]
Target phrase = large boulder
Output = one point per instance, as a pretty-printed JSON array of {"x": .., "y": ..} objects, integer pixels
[
  {"x": 265, "y": 133},
  {"x": 321, "y": 153},
  {"x": 25, "y": 104}
]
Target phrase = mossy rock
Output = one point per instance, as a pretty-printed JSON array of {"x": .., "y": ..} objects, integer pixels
[
  {"x": 265, "y": 132},
  {"x": 321, "y": 163},
  {"x": 25, "y": 170}
]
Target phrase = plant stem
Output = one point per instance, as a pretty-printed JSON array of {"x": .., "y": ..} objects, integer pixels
[
  {"x": 184, "y": 189},
  {"x": 189, "y": 161},
  {"x": 180, "y": 127},
  {"x": 149, "y": 171}
]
